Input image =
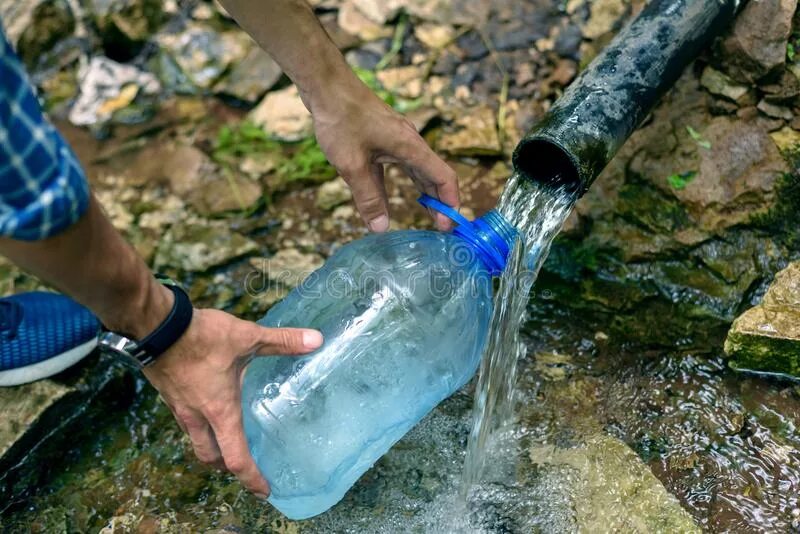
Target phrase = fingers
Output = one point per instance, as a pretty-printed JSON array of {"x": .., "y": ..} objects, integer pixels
[
  {"x": 431, "y": 174},
  {"x": 369, "y": 194},
  {"x": 201, "y": 436},
  {"x": 227, "y": 426},
  {"x": 287, "y": 340}
]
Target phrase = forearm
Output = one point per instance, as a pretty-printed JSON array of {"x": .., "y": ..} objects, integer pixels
[
  {"x": 290, "y": 32},
  {"x": 91, "y": 262}
]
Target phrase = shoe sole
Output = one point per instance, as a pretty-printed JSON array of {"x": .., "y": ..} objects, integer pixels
[{"x": 48, "y": 367}]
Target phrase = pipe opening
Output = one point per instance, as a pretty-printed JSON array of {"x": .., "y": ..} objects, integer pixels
[{"x": 545, "y": 162}]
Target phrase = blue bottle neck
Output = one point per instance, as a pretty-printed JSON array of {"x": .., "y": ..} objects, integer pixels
[{"x": 490, "y": 236}]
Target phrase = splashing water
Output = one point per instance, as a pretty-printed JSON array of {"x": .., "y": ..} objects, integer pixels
[{"x": 538, "y": 213}]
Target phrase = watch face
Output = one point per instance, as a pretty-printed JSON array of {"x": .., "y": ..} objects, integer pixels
[{"x": 119, "y": 347}]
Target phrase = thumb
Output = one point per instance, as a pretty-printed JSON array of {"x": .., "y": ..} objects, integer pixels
[
  {"x": 369, "y": 194},
  {"x": 287, "y": 340}
]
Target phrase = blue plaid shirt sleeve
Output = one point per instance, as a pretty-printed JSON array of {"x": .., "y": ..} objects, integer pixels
[{"x": 42, "y": 187}]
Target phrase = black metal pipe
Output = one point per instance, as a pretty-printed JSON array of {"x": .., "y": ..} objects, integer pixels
[{"x": 584, "y": 128}]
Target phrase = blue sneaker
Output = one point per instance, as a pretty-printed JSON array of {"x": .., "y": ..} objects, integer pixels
[{"x": 42, "y": 334}]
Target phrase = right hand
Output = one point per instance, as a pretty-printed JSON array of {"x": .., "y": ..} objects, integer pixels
[{"x": 199, "y": 378}]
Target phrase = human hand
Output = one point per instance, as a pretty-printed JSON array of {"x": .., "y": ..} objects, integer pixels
[
  {"x": 359, "y": 133},
  {"x": 199, "y": 378}
]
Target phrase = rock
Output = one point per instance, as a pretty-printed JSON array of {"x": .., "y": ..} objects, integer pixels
[
  {"x": 193, "y": 177},
  {"x": 34, "y": 27},
  {"x": 124, "y": 25},
  {"x": 379, "y": 12},
  {"x": 203, "y": 53},
  {"x": 332, "y": 194},
  {"x": 37, "y": 419},
  {"x": 638, "y": 501},
  {"x": 434, "y": 36},
  {"x": 283, "y": 115},
  {"x": 422, "y": 116},
  {"x": 107, "y": 88},
  {"x": 735, "y": 177},
  {"x": 604, "y": 18},
  {"x": 197, "y": 245},
  {"x": 405, "y": 81},
  {"x": 756, "y": 45},
  {"x": 260, "y": 163},
  {"x": 553, "y": 366},
  {"x": 288, "y": 267},
  {"x": 251, "y": 77},
  {"x": 774, "y": 111},
  {"x": 476, "y": 135},
  {"x": 454, "y": 12},
  {"x": 786, "y": 139},
  {"x": 568, "y": 42},
  {"x": 767, "y": 337},
  {"x": 353, "y": 21},
  {"x": 721, "y": 84}
]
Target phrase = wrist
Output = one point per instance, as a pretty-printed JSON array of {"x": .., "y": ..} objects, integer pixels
[
  {"x": 137, "y": 315},
  {"x": 334, "y": 89}
]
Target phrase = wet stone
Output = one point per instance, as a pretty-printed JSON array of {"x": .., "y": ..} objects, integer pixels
[
  {"x": 638, "y": 502},
  {"x": 766, "y": 338}
]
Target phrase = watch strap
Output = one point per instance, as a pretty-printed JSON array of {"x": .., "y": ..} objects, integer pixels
[{"x": 169, "y": 331}]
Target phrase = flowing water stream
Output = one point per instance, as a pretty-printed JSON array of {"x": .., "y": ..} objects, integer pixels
[{"x": 538, "y": 212}]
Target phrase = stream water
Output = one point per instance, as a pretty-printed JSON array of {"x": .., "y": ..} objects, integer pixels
[{"x": 538, "y": 212}]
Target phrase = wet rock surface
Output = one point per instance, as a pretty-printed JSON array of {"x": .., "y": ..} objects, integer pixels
[
  {"x": 767, "y": 337},
  {"x": 216, "y": 179}
]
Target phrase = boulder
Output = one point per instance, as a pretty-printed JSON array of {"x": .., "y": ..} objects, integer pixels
[
  {"x": 756, "y": 46},
  {"x": 250, "y": 78},
  {"x": 612, "y": 489},
  {"x": 766, "y": 338},
  {"x": 283, "y": 115}
]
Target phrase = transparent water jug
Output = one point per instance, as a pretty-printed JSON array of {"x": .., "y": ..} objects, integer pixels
[{"x": 405, "y": 317}]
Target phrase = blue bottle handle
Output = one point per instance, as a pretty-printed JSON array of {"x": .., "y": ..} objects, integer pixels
[{"x": 490, "y": 246}]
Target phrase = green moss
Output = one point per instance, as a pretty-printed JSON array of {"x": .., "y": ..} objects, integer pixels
[
  {"x": 234, "y": 142},
  {"x": 307, "y": 163},
  {"x": 647, "y": 207},
  {"x": 781, "y": 219},
  {"x": 749, "y": 352},
  {"x": 681, "y": 180}
]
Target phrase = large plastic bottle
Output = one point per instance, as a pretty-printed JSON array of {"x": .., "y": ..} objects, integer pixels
[{"x": 405, "y": 317}]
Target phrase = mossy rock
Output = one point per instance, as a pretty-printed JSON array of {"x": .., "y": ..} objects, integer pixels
[{"x": 766, "y": 338}]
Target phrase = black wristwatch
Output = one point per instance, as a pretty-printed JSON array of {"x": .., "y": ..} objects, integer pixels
[{"x": 144, "y": 352}]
